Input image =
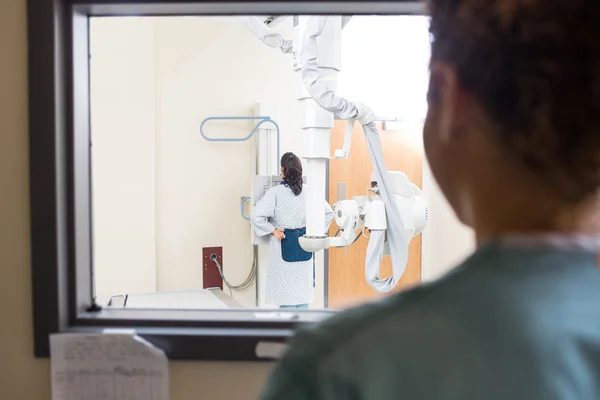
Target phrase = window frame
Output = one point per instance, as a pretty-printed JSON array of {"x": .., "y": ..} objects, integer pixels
[{"x": 60, "y": 183}]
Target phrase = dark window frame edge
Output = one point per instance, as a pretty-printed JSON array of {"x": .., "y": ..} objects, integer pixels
[{"x": 60, "y": 226}]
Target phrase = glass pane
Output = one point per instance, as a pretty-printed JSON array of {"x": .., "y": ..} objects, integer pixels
[{"x": 170, "y": 205}]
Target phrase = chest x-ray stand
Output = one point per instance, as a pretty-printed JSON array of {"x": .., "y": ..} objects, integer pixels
[{"x": 397, "y": 210}]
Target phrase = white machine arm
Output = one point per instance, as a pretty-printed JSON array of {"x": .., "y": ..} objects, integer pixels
[
  {"x": 262, "y": 31},
  {"x": 414, "y": 213},
  {"x": 398, "y": 231},
  {"x": 316, "y": 84}
]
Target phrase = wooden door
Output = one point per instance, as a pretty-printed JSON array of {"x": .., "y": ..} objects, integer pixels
[{"x": 403, "y": 151}]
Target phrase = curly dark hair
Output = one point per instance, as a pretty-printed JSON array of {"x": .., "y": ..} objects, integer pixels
[
  {"x": 292, "y": 172},
  {"x": 534, "y": 66}
]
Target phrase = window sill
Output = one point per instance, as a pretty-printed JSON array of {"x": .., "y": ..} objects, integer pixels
[{"x": 201, "y": 335}]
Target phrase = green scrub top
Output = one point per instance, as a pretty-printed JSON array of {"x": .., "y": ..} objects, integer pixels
[{"x": 519, "y": 319}]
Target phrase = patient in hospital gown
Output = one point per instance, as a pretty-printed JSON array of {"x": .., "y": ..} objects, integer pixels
[{"x": 289, "y": 284}]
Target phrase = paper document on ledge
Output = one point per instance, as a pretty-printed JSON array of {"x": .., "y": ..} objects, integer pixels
[{"x": 107, "y": 366}]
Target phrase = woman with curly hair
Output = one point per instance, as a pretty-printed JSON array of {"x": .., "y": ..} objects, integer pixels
[
  {"x": 281, "y": 213},
  {"x": 512, "y": 136}
]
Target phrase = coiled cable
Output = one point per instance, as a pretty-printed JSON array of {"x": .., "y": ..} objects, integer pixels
[{"x": 244, "y": 285}]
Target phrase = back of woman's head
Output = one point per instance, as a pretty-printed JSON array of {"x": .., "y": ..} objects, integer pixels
[
  {"x": 534, "y": 67},
  {"x": 291, "y": 167}
]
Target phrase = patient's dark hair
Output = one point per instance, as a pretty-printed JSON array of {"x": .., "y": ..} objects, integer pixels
[
  {"x": 534, "y": 66},
  {"x": 292, "y": 172}
]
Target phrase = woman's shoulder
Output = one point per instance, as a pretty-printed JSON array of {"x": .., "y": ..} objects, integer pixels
[
  {"x": 285, "y": 190},
  {"x": 282, "y": 188},
  {"x": 277, "y": 188}
]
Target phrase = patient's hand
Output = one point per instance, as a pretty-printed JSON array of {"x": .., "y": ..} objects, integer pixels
[{"x": 278, "y": 233}]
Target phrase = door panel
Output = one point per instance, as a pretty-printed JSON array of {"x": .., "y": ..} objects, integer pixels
[{"x": 403, "y": 151}]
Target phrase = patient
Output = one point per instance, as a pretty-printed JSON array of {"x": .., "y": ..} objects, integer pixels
[{"x": 513, "y": 138}]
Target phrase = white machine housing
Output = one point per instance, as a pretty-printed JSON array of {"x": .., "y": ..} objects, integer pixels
[
  {"x": 369, "y": 211},
  {"x": 347, "y": 217},
  {"x": 410, "y": 201}
]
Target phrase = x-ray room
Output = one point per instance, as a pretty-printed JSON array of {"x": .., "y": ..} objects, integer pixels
[{"x": 263, "y": 162}]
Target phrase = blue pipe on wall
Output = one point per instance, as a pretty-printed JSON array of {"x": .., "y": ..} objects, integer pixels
[
  {"x": 262, "y": 120},
  {"x": 243, "y": 202}
]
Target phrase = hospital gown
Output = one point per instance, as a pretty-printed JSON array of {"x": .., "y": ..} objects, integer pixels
[{"x": 288, "y": 283}]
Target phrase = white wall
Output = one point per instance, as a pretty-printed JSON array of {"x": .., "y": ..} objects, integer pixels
[
  {"x": 123, "y": 155},
  {"x": 446, "y": 241},
  {"x": 176, "y": 71}
]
